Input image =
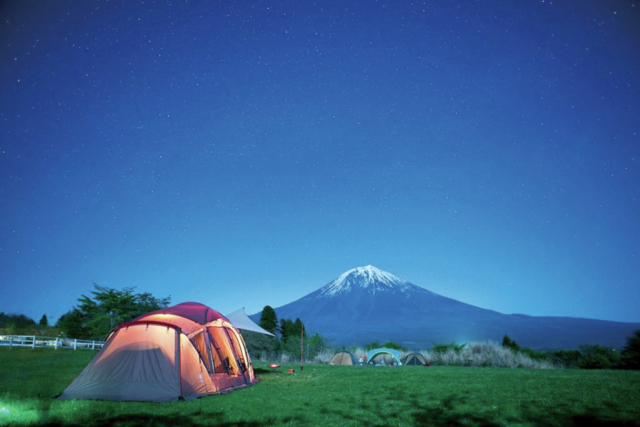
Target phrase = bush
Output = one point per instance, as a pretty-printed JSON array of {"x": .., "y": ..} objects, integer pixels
[
  {"x": 565, "y": 358},
  {"x": 372, "y": 345},
  {"x": 444, "y": 348},
  {"x": 598, "y": 357},
  {"x": 389, "y": 344},
  {"x": 482, "y": 354},
  {"x": 15, "y": 323},
  {"x": 324, "y": 356},
  {"x": 537, "y": 355},
  {"x": 395, "y": 346},
  {"x": 265, "y": 348},
  {"x": 314, "y": 346},
  {"x": 260, "y": 346},
  {"x": 509, "y": 343}
]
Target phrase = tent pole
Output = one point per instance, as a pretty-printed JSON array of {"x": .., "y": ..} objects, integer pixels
[
  {"x": 177, "y": 359},
  {"x": 301, "y": 346}
]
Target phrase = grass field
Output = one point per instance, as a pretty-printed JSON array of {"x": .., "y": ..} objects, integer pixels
[{"x": 325, "y": 395}]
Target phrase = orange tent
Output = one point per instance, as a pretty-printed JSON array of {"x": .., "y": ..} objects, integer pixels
[{"x": 181, "y": 352}]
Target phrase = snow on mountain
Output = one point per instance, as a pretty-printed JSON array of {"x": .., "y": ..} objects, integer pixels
[{"x": 369, "y": 278}]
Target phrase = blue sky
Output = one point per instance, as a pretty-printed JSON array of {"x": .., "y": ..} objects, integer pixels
[{"x": 247, "y": 153}]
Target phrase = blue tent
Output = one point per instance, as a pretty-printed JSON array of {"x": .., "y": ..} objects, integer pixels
[{"x": 390, "y": 351}]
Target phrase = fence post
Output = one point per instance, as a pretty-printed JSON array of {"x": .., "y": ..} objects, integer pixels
[
  {"x": 75, "y": 344},
  {"x": 11, "y": 342},
  {"x": 56, "y": 344},
  {"x": 33, "y": 344}
]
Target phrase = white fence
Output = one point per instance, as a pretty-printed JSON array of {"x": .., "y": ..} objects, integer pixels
[{"x": 35, "y": 341}]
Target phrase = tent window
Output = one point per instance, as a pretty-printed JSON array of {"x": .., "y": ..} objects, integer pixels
[
  {"x": 225, "y": 350},
  {"x": 218, "y": 363},
  {"x": 200, "y": 345},
  {"x": 238, "y": 351}
]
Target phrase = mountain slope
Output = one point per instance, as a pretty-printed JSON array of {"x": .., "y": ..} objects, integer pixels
[{"x": 366, "y": 304}]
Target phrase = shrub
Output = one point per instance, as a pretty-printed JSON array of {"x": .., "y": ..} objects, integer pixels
[
  {"x": 12, "y": 324},
  {"x": 372, "y": 345},
  {"x": 537, "y": 355},
  {"x": 482, "y": 354},
  {"x": 324, "y": 356},
  {"x": 598, "y": 357},
  {"x": 395, "y": 346},
  {"x": 260, "y": 346},
  {"x": 270, "y": 349},
  {"x": 509, "y": 343},
  {"x": 444, "y": 348},
  {"x": 565, "y": 358}
]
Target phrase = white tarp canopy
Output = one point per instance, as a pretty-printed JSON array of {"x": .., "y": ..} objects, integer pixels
[{"x": 240, "y": 320}]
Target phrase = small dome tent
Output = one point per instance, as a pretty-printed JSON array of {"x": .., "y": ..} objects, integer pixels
[
  {"x": 372, "y": 354},
  {"x": 181, "y": 352},
  {"x": 343, "y": 358},
  {"x": 415, "y": 359}
]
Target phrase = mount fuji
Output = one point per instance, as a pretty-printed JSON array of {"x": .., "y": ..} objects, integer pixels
[{"x": 367, "y": 304}]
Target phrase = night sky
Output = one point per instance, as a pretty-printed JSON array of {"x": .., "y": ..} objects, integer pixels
[{"x": 245, "y": 153}]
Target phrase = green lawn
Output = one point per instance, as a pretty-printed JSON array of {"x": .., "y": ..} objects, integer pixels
[{"x": 334, "y": 396}]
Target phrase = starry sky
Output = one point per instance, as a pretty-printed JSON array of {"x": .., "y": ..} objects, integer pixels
[{"x": 246, "y": 153}]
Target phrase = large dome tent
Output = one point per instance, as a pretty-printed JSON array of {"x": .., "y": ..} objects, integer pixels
[{"x": 181, "y": 352}]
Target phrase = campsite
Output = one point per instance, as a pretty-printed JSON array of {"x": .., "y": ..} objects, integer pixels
[
  {"x": 329, "y": 395},
  {"x": 188, "y": 364}
]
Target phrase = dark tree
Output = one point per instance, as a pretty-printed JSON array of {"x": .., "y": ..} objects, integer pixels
[
  {"x": 96, "y": 316},
  {"x": 44, "y": 322},
  {"x": 298, "y": 328},
  {"x": 286, "y": 329},
  {"x": 15, "y": 322},
  {"x": 630, "y": 356},
  {"x": 269, "y": 319},
  {"x": 74, "y": 324},
  {"x": 509, "y": 343},
  {"x": 290, "y": 329},
  {"x": 290, "y": 332}
]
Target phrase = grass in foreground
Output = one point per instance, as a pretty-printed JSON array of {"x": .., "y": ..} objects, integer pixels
[{"x": 334, "y": 396}]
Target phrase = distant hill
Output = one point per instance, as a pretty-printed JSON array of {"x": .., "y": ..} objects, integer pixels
[{"x": 366, "y": 304}]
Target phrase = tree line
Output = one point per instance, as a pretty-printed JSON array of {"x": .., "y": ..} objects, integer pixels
[
  {"x": 97, "y": 314},
  {"x": 93, "y": 317},
  {"x": 587, "y": 356},
  {"x": 290, "y": 339}
]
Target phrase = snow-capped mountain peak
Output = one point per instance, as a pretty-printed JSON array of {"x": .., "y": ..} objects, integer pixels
[
  {"x": 368, "y": 277},
  {"x": 366, "y": 304}
]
